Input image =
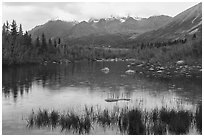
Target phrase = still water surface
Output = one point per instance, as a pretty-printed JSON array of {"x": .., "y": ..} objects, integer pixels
[{"x": 72, "y": 86}]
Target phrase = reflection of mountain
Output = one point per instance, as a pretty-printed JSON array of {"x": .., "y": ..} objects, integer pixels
[{"x": 18, "y": 80}]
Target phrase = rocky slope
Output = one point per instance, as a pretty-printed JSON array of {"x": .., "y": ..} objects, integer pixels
[{"x": 183, "y": 25}]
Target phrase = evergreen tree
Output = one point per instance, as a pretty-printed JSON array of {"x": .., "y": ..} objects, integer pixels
[
  {"x": 59, "y": 41},
  {"x": 37, "y": 42},
  {"x": 51, "y": 49},
  {"x": 16, "y": 48},
  {"x": 44, "y": 44},
  {"x": 55, "y": 43},
  {"x": 14, "y": 28},
  {"x": 20, "y": 32},
  {"x": 194, "y": 36},
  {"x": 29, "y": 39},
  {"x": 4, "y": 29},
  {"x": 7, "y": 27},
  {"x": 50, "y": 42}
]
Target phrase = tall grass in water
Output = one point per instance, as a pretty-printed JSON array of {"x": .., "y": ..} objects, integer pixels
[
  {"x": 43, "y": 118},
  {"x": 178, "y": 122},
  {"x": 135, "y": 123},
  {"x": 107, "y": 117},
  {"x": 130, "y": 121},
  {"x": 75, "y": 123},
  {"x": 198, "y": 118},
  {"x": 70, "y": 121},
  {"x": 154, "y": 124}
]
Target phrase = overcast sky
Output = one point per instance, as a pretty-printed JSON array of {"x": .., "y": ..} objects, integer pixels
[{"x": 32, "y": 14}]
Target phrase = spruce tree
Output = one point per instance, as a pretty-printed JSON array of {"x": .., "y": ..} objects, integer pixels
[
  {"x": 59, "y": 41},
  {"x": 7, "y": 27},
  {"x": 55, "y": 43},
  {"x": 44, "y": 43},
  {"x": 50, "y": 42},
  {"x": 37, "y": 42},
  {"x": 4, "y": 29},
  {"x": 20, "y": 32},
  {"x": 14, "y": 28}
]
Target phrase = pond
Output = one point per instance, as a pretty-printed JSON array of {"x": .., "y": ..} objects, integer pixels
[{"x": 77, "y": 86}]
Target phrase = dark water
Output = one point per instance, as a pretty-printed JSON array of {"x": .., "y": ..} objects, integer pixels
[{"x": 72, "y": 86}]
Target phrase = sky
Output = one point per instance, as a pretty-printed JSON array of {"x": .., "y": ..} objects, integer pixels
[{"x": 31, "y": 14}]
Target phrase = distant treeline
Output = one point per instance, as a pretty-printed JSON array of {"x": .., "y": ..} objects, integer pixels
[
  {"x": 189, "y": 51},
  {"x": 19, "y": 48}
]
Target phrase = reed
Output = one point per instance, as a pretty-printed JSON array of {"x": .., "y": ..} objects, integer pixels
[
  {"x": 178, "y": 121},
  {"x": 130, "y": 121},
  {"x": 198, "y": 118}
]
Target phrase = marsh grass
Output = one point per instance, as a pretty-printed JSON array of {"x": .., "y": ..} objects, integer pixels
[
  {"x": 54, "y": 118},
  {"x": 130, "y": 121},
  {"x": 178, "y": 121},
  {"x": 198, "y": 118},
  {"x": 135, "y": 123},
  {"x": 76, "y": 123}
]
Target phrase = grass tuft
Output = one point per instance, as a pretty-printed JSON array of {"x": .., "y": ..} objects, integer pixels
[{"x": 130, "y": 121}]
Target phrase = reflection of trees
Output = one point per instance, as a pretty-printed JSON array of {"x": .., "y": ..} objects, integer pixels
[{"x": 17, "y": 80}]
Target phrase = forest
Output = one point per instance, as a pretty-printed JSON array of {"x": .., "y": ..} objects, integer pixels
[{"x": 19, "y": 48}]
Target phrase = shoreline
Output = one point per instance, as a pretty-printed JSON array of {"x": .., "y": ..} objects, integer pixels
[
  {"x": 143, "y": 68},
  {"x": 171, "y": 70}
]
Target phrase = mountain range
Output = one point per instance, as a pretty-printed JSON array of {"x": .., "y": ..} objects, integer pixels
[
  {"x": 154, "y": 28},
  {"x": 181, "y": 26},
  {"x": 123, "y": 25}
]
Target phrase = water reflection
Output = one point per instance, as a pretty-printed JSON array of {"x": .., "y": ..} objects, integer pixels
[
  {"x": 75, "y": 85},
  {"x": 19, "y": 79},
  {"x": 16, "y": 81}
]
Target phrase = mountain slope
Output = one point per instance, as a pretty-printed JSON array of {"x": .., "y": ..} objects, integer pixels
[
  {"x": 126, "y": 25},
  {"x": 113, "y": 25},
  {"x": 182, "y": 25},
  {"x": 52, "y": 29},
  {"x": 81, "y": 29}
]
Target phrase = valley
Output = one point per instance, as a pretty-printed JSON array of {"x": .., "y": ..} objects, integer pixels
[{"x": 118, "y": 75}]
